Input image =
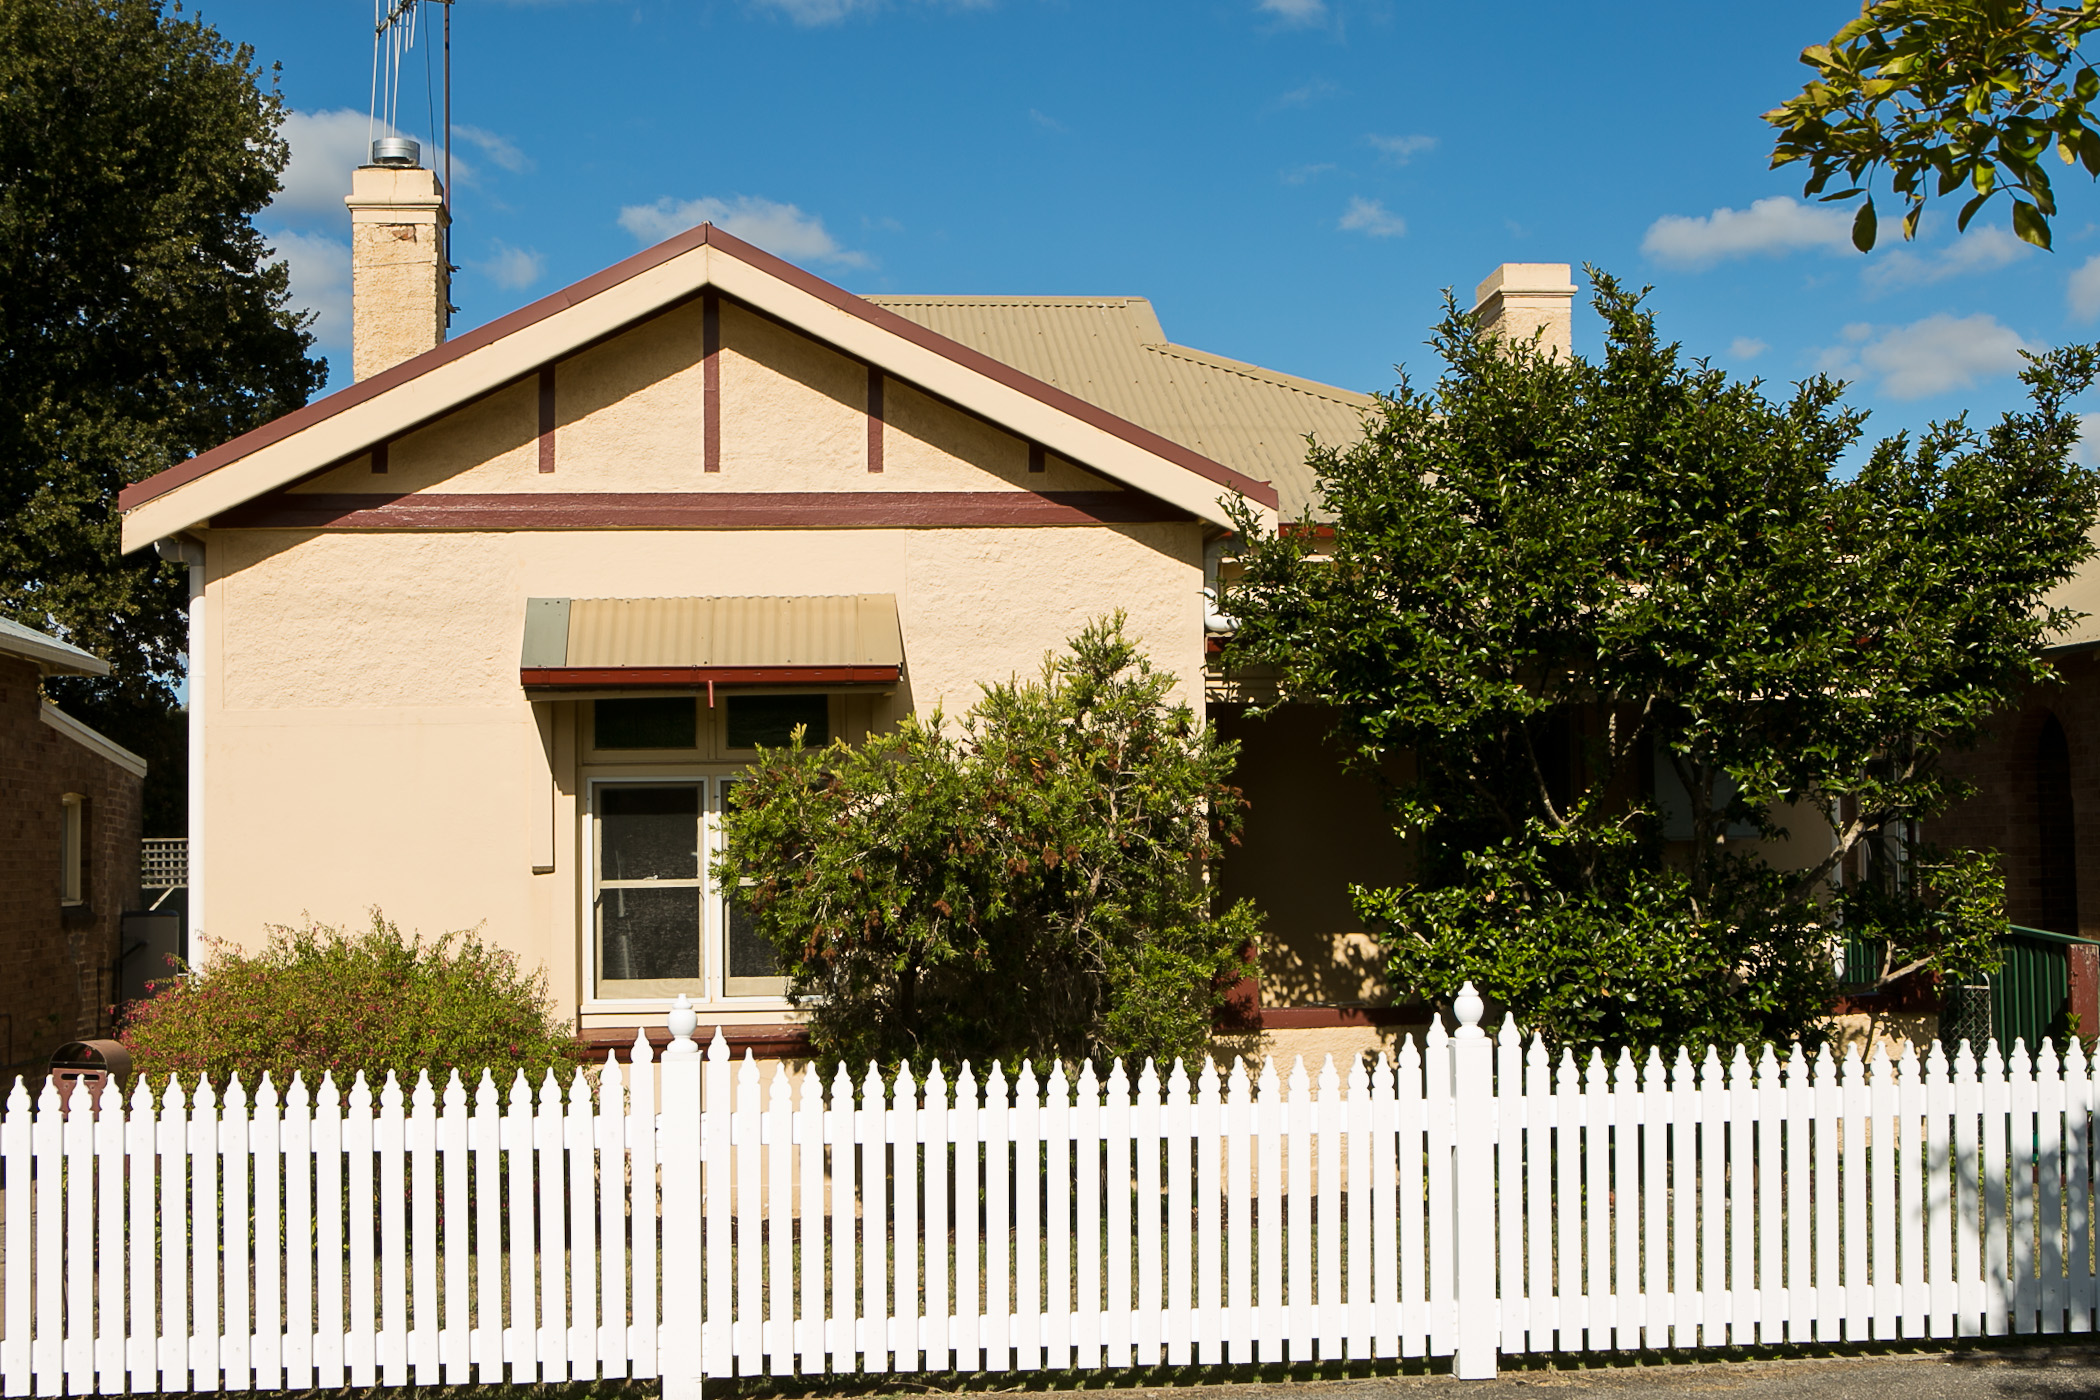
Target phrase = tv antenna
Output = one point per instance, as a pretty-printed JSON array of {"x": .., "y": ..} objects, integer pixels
[{"x": 395, "y": 25}]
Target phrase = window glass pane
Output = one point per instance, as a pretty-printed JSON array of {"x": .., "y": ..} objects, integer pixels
[
  {"x": 750, "y": 954},
  {"x": 649, "y": 933},
  {"x": 769, "y": 719},
  {"x": 649, "y": 833},
  {"x": 654, "y": 722}
]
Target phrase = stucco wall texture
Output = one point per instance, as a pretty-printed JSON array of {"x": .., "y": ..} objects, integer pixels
[
  {"x": 59, "y": 961},
  {"x": 367, "y": 740}
]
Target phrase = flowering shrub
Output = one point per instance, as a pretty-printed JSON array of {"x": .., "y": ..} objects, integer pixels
[{"x": 337, "y": 1000}]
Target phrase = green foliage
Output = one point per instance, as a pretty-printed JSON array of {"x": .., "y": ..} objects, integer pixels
[
  {"x": 1946, "y": 96},
  {"x": 144, "y": 317},
  {"x": 1561, "y": 584},
  {"x": 1030, "y": 882},
  {"x": 320, "y": 999}
]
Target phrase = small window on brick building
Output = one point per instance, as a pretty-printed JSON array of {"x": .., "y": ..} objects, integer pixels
[{"x": 72, "y": 850}]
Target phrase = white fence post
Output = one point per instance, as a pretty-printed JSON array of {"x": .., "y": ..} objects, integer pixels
[
  {"x": 1472, "y": 1194},
  {"x": 680, "y": 1358}
]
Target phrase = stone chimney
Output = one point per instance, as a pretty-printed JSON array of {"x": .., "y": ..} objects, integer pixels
[
  {"x": 400, "y": 288},
  {"x": 1520, "y": 300}
]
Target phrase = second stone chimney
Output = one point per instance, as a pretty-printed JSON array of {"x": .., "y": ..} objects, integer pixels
[
  {"x": 400, "y": 288},
  {"x": 1520, "y": 300}
]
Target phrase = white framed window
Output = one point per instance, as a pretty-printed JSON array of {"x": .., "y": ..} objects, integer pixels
[
  {"x": 659, "y": 924},
  {"x": 72, "y": 850}
]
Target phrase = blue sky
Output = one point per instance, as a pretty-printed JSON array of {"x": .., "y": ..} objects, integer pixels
[{"x": 1291, "y": 181}]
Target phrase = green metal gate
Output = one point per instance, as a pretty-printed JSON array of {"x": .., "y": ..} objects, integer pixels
[{"x": 2031, "y": 990}]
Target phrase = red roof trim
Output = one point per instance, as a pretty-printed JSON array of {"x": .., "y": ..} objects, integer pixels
[
  {"x": 600, "y": 677},
  {"x": 694, "y": 510},
  {"x": 300, "y": 419}
]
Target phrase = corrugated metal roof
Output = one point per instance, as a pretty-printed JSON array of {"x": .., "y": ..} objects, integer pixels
[
  {"x": 55, "y": 656},
  {"x": 852, "y": 630},
  {"x": 1113, "y": 352}
]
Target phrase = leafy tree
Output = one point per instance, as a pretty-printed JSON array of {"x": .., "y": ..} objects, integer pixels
[
  {"x": 144, "y": 318},
  {"x": 319, "y": 999},
  {"x": 1945, "y": 96},
  {"x": 1580, "y": 594},
  {"x": 1029, "y": 882}
]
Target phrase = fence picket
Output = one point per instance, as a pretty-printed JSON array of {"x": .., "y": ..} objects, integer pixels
[
  {"x": 2078, "y": 1215},
  {"x": 1057, "y": 1228},
  {"x": 1239, "y": 1204},
  {"x": 605, "y": 1130},
  {"x": 1086, "y": 1189},
  {"x": 1997, "y": 1091},
  {"x": 268, "y": 1354},
  {"x": 331, "y": 1342},
  {"x": 1438, "y": 1130},
  {"x": 1939, "y": 1184},
  {"x": 391, "y": 1141},
  {"x": 903, "y": 1137},
  {"x": 747, "y": 1134},
  {"x": 1881, "y": 1193},
  {"x": 1629, "y": 1310},
  {"x": 423, "y": 1227},
  {"x": 1914, "y": 1287},
  {"x": 1540, "y": 1299},
  {"x": 2049, "y": 1203},
  {"x": 1177, "y": 1126},
  {"x": 143, "y": 1168},
  {"x": 844, "y": 1333},
  {"x": 1597, "y": 1121},
  {"x": 1968, "y": 1168},
  {"x": 485, "y": 1135},
  {"x": 1025, "y": 1119},
  {"x": 1414, "y": 1264},
  {"x": 643, "y": 1257},
  {"x": 2020, "y": 1173},
  {"x": 1771, "y": 1118},
  {"x": 522, "y": 1336},
  {"x": 969, "y": 1261},
  {"x": 779, "y": 1134},
  {"x": 996, "y": 1130},
  {"x": 935, "y": 1131},
  {"x": 456, "y": 1244}
]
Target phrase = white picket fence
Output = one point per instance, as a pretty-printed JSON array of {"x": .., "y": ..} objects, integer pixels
[{"x": 1473, "y": 1198}]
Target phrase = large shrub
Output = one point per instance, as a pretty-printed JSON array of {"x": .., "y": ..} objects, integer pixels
[
  {"x": 321, "y": 999},
  {"x": 1032, "y": 881}
]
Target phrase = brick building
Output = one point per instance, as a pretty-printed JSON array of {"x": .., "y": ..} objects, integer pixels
[
  {"x": 69, "y": 853},
  {"x": 2037, "y": 802}
]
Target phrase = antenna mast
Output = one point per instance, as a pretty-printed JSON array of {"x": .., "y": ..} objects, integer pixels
[{"x": 394, "y": 24}]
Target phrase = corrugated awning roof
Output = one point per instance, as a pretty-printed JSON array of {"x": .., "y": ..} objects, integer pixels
[{"x": 846, "y": 640}]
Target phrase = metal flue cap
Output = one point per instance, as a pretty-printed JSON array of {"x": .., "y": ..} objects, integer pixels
[{"x": 400, "y": 151}]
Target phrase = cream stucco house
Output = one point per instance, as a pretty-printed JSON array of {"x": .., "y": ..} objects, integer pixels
[{"x": 484, "y": 638}]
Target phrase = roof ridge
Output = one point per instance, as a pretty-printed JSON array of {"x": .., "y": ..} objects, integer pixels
[{"x": 1312, "y": 388}]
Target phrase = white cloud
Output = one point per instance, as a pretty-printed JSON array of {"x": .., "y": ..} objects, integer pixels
[
  {"x": 2088, "y": 449},
  {"x": 1368, "y": 216},
  {"x": 813, "y": 13},
  {"x": 500, "y": 150},
  {"x": 1306, "y": 95},
  {"x": 1746, "y": 347},
  {"x": 1927, "y": 357},
  {"x": 1295, "y": 11},
  {"x": 511, "y": 268},
  {"x": 320, "y": 268},
  {"x": 1768, "y": 227},
  {"x": 2084, "y": 290},
  {"x": 781, "y": 229},
  {"x": 1401, "y": 149},
  {"x": 1985, "y": 250},
  {"x": 327, "y": 146},
  {"x": 1300, "y": 174}
]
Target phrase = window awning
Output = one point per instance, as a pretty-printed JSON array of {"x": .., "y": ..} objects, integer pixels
[{"x": 596, "y": 643}]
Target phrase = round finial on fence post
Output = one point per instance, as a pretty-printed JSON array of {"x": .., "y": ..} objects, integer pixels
[
  {"x": 1468, "y": 1008},
  {"x": 683, "y": 1021}
]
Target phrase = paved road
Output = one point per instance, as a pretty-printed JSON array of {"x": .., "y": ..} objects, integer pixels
[{"x": 2014, "y": 1373}]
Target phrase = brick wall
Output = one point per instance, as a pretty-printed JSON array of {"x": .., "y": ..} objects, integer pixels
[
  {"x": 57, "y": 963},
  {"x": 2018, "y": 809}
]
